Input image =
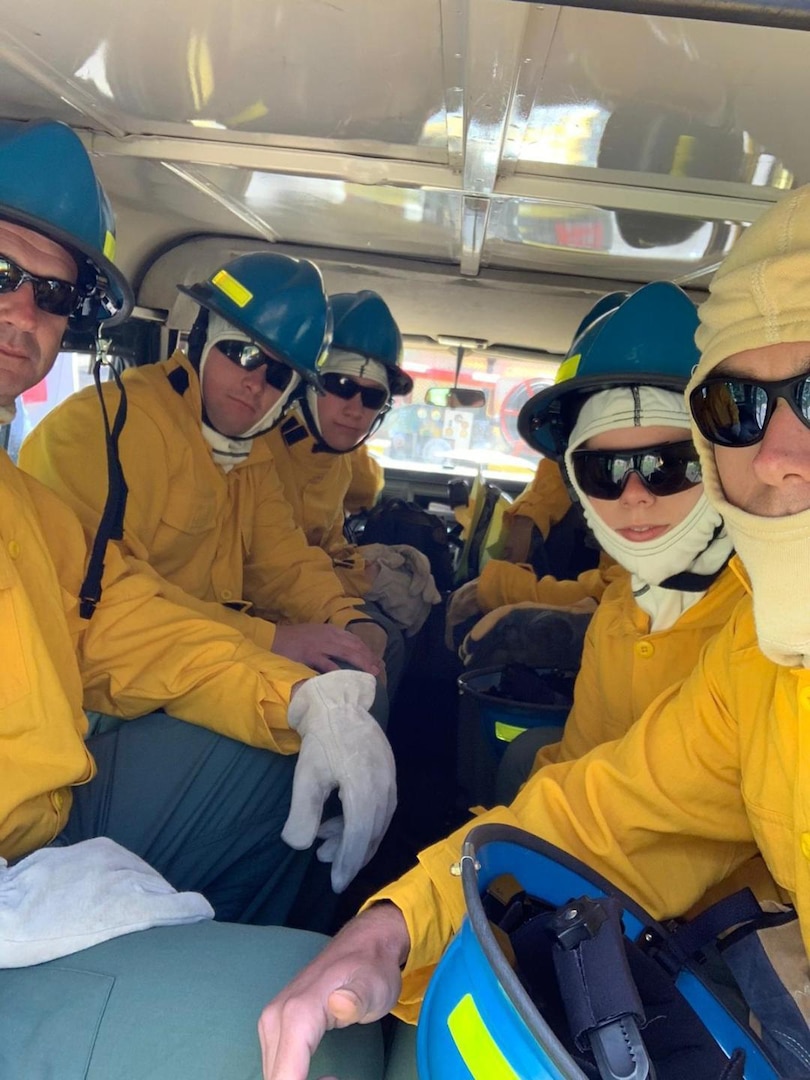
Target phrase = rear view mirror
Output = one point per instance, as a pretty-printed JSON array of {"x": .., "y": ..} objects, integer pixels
[{"x": 455, "y": 398}]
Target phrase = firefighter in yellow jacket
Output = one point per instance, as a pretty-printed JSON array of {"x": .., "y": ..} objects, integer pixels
[
  {"x": 202, "y": 793},
  {"x": 676, "y": 590},
  {"x": 716, "y": 769},
  {"x": 314, "y": 444},
  {"x": 205, "y": 509}
]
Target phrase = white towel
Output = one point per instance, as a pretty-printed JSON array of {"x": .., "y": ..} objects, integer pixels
[{"x": 60, "y": 900}]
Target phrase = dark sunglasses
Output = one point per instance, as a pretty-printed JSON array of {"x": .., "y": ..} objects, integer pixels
[
  {"x": 735, "y": 412},
  {"x": 373, "y": 397},
  {"x": 250, "y": 356},
  {"x": 51, "y": 295},
  {"x": 663, "y": 470}
]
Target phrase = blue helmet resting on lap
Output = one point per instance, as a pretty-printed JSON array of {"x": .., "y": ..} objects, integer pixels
[{"x": 556, "y": 974}]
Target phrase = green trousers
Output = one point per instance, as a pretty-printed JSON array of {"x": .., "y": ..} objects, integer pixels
[
  {"x": 207, "y": 813},
  {"x": 172, "y": 1003}
]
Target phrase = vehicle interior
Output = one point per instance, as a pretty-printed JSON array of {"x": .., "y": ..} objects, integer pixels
[{"x": 490, "y": 167}]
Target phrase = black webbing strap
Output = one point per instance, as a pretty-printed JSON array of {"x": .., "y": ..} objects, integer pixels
[
  {"x": 690, "y": 938},
  {"x": 111, "y": 525}
]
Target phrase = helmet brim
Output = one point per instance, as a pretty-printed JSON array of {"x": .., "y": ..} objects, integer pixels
[
  {"x": 119, "y": 289},
  {"x": 400, "y": 382},
  {"x": 541, "y": 422}
]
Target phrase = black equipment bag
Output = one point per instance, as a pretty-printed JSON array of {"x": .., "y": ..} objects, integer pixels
[{"x": 396, "y": 521}]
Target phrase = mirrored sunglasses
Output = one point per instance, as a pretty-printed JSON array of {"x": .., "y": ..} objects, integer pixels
[
  {"x": 250, "y": 356},
  {"x": 51, "y": 295},
  {"x": 667, "y": 469},
  {"x": 372, "y": 397},
  {"x": 735, "y": 412}
]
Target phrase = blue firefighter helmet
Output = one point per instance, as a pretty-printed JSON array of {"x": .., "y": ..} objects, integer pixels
[
  {"x": 363, "y": 324},
  {"x": 550, "y": 975},
  {"x": 644, "y": 339},
  {"x": 47, "y": 184},
  {"x": 276, "y": 300}
]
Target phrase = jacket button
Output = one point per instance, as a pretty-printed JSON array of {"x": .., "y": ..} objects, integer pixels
[
  {"x": 226, "y": 594},
  {"x": 644, "y": 649},
  {"x": 806, "y": 845},
  {"x": 14, "y": 549}
]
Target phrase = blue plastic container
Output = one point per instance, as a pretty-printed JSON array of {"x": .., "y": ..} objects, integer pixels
[{"x": 503, "y": 719}]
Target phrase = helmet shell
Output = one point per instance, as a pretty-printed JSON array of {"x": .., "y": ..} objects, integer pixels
[
  {"x": 363, "y": 324},
  {"x": 47, "y": 184},
  {"x": 276, "y": 300},
  {"x": 477, "y": 1020},
  {"x": 644, "y": 339}
]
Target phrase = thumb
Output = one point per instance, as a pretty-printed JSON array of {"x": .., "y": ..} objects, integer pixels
[{"x": 346, "y": 1006}]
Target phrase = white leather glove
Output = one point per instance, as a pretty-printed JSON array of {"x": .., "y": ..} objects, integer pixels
[
  {"x": 404, "y": 586},
  {"x": 60, "y": 900},
  {"x": 343, "y": 748}
]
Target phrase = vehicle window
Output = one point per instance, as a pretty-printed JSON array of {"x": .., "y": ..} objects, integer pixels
[
  {"x": 71, "y": 372},
  {"x": 420, "y": 437}
]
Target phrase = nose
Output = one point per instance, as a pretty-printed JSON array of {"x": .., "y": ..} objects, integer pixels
[
  {"x": 354, "y": 405},
  {"x": 19, "y": 309},
  {"x": 254, "y": 379},
  {"x": 784, "y": 453},
  {"x": 634, "y": 492}
]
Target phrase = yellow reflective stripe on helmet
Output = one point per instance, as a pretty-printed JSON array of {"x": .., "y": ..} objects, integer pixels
[
  {"x": 232, "y": 288},
  {"x": 478, "y": 1049},
  {"x": 109, "y": 246},
  {"x": 568, "y": 368}
]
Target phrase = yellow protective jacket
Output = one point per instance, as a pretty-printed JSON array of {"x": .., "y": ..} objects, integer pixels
[
  {"x": 545, "y": 501},
  {"x": 219, "y": 538},
  {"x": 367, "y": 481},
  {"x": 625, "y": 666},
  {"x": 511, "y": 583},
  {"x": 714, "y": 770},
  {"x": 315, "y": 485},
  {"x": 137, "y": 653}
]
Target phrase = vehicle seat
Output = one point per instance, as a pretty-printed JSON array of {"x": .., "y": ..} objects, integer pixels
[{"x": 484, "y": 499}]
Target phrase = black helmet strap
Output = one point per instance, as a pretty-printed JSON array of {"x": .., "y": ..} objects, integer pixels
[{"x": 111, "y": 525}]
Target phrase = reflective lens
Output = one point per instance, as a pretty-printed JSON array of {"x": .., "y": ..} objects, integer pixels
[
  {"x": 51, "y": 295},
  {"x": 373, "y": 397},
  {"x": 663, "y": 470},
  {"x": 735, "y": 412},
  {"x": 250, "y": 356}
]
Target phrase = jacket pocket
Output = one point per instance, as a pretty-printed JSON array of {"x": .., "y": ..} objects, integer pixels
[{"x": 192, "y": 512}]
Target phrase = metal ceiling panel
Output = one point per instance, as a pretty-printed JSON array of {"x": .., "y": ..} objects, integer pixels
[{"x": 485, "y": 135}]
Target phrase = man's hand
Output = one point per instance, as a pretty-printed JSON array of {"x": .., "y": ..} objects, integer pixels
[
  {"x": 319, "y": 646},
  {"x": 355, "y": 980},
  {"x": 372, "y": 635}
]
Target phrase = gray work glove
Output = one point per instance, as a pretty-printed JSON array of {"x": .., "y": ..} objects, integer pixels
[
  {"x": 344, "y": 749},
  {"x": 403, "y": 587}
]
